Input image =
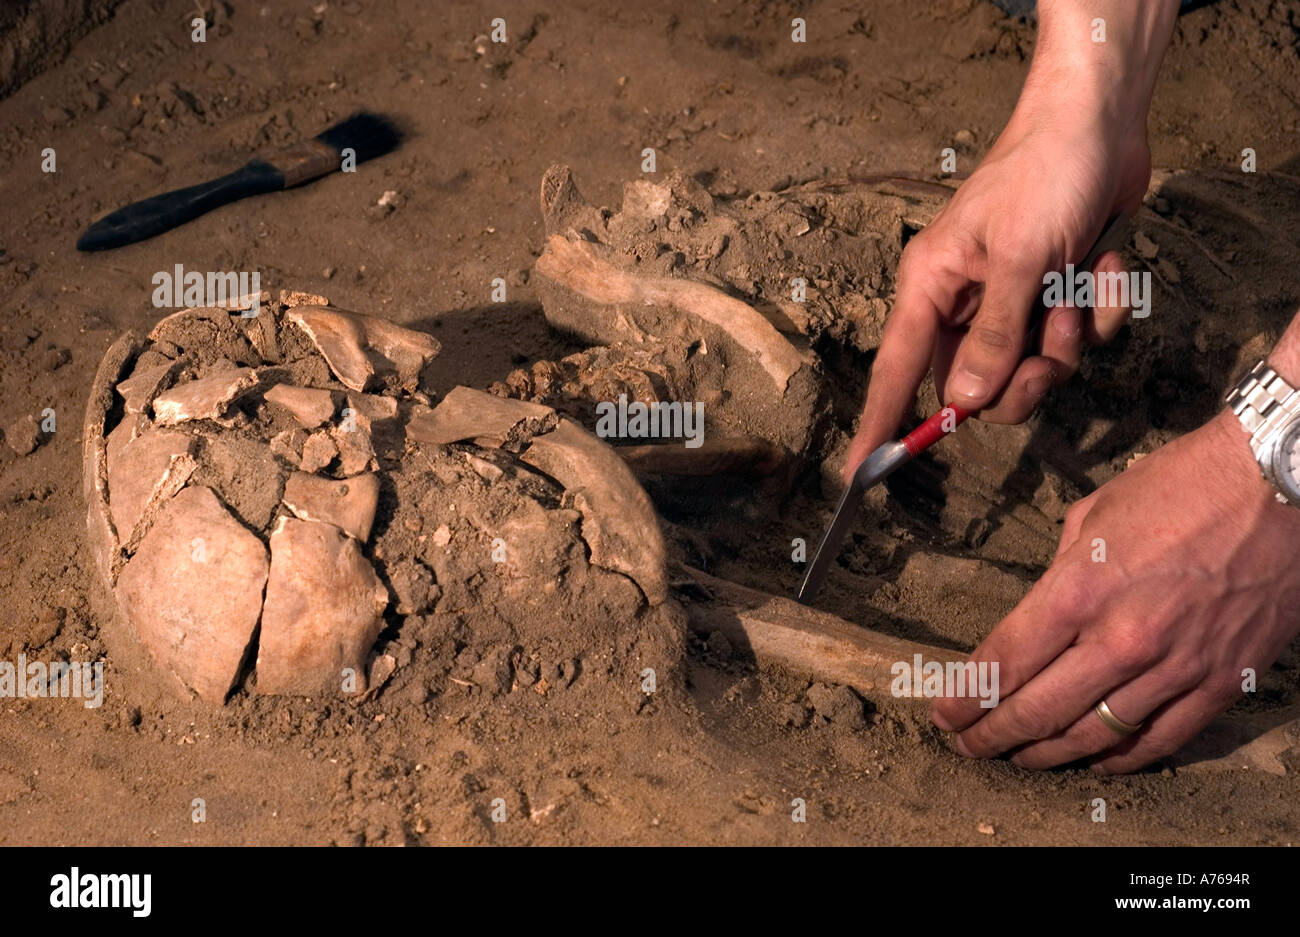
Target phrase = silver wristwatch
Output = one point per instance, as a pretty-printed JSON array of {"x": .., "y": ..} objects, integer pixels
[{"x": 1269, "y": 409}]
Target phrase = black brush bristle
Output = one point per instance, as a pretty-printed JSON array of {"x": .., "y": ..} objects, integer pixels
[{"x": 369, "y": 135}]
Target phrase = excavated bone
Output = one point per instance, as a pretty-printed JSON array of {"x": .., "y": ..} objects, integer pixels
[
  {"x": 348, "y": 504},
  {"x": 618, "y": 521},
  {"x": 310, "y": 406},
  {"x": 576, "y": 266},
  {"x": 356, "y": 452},
  {"x": 139, "y": 390},
  {"x": 466, "y": 413},
  {"x": 94, "y": 453},
  {"x": 369, "y": 409},
  {"x": 322, "y": 614},
  {"x": 193, "y": 591},
  {"x": 803, "y": 639},
  {"x": 357, "y": 346},
  {"x": 142, "y": 475},
  {"x": 341, "y": 339},
  {"x": 317, "y": 452},
  {"x": 204, "y": 399}
]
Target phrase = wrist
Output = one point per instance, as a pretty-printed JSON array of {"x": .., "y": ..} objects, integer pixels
[{"x": 1099, "y": 60}]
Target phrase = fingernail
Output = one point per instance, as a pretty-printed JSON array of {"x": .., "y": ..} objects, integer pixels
[
  {"x": 1037, "y": 386},
  {"x": 937, "y": 718},
  {"x": 1017, "y": 761},
  {"x": 966, "y": 384},
  {"x": 960, "y": 745}
]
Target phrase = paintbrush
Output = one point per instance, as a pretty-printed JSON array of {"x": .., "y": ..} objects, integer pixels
[{"x": 360, "y": 137}]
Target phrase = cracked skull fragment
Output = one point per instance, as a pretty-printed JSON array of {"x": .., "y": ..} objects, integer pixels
[{"x": 275, "y": 502}]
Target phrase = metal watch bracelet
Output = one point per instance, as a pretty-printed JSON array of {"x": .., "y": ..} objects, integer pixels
[{"x": 1264, "y": 402}]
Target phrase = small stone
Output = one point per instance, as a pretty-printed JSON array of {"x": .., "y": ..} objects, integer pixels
[
  {"x": 310, "y": 406},
  {"x": 1146, "y": 248},
  {"x": 54, "y": 358},
  {"x": 299, "y": 298},
  {"x": 203, "y": 399},
  {"x": 55, "y": 116},
  {"x": 23, "y": 435},
  {"x": 442, "y": 536},
  {"x": 964, "y": 137},
  {"x": 485, "y": 469},
  {"x": 838, "y": 704},
  {"x": 985, "y": 829},
  {"x": 348, "y": 504}
]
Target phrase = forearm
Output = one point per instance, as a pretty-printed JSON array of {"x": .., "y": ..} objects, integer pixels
[{"x": 1113, "y": 78}]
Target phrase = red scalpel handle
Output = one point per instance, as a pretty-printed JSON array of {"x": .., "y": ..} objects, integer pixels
[{"x": 934, "y": 429}]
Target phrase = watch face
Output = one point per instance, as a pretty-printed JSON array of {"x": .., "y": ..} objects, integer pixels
[{"x": 1286, "y": 461}]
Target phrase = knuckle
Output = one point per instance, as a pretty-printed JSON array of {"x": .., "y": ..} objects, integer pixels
[
  {"x": 918, "y": 256},
  {"x": 1073, "y": 595},
  {"x": 1032, "y": 720},
  {"x": 1223, "y": 687},
  {"x": 1135, "y": 647},
  {"x": 993, "y": 333}
]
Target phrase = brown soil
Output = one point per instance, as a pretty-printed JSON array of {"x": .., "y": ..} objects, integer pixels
[{"x": 723, "y": 96}]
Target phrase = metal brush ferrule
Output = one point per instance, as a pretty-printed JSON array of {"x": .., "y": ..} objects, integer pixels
[{"x": 305, "y": 161}]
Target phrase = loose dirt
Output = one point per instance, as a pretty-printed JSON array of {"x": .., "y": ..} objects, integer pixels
[{"x": 765, "y": 130}]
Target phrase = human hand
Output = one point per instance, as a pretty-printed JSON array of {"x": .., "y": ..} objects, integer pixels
[
  {"x": 1199, "y": 582},
  {"x": 969, "y": 282}
]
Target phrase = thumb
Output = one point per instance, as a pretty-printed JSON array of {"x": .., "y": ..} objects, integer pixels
[{"x": 994, "y": 343}]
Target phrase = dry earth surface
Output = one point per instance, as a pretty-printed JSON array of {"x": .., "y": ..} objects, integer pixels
[{"x": 725, "y": 98}]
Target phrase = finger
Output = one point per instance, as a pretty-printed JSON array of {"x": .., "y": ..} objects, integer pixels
[
  {"x": 1032, "y": 379},
  {"x": 1111, "y": 299},
  {"x": 995, "y": 341},
  {"x": 1134, "y": 702},
  {"x": 903, "y": 357},
  {"x": 1025, "y": 642},
  {"x": 1051, "y": 702},
  {"x": 1062, "y": 340},
  {"x": 1167, "y": 730}
]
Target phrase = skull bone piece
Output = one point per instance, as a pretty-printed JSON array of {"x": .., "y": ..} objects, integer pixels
[{"x": 269, "y": 494}]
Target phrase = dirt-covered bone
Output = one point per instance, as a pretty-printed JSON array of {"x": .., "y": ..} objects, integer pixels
[
  {"x": 362, "y": 349},
  {"x": 777, "y": 630},
  {"x": 324, "y": 610},
  {"x": 372, "y": 526},
  {"x": 618, "y": 521},
  {"x": 193, "y": 592}
]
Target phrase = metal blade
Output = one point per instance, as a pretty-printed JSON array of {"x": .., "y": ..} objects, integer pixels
[{"x": 875, "y": 467}]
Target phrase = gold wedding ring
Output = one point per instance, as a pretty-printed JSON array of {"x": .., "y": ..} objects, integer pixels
[{"x": 1114, "y": 722}]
